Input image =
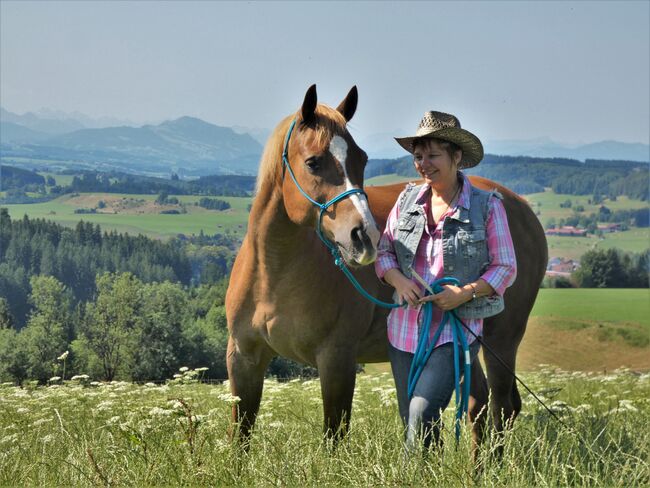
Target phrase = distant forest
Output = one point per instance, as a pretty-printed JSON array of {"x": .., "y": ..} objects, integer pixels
[
  {"x": 16, "y": 182},
  {"x": 124, "y": 307},
  {"x": 531, "y": 175}
]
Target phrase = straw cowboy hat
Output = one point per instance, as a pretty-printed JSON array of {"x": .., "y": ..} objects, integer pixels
[{"x": 446, "y": 127}]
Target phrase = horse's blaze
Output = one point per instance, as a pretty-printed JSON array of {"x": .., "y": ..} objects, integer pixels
[{"x": 365, "y": 250}]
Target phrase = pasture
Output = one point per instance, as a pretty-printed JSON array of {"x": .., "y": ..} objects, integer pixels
[
  {"x": 89, "y": 434},
  {"x": 139, "y": 215}
]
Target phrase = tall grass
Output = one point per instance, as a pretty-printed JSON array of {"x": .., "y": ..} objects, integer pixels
[{"x": 176, "y": 434}]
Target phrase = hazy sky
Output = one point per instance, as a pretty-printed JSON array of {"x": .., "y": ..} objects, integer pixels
[{"x": 572, "y": 71}]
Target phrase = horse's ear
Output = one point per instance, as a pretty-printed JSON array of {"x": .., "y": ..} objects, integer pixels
[
  {"x": 349, "y": 104},
  {"x": 309, "y": 105}
]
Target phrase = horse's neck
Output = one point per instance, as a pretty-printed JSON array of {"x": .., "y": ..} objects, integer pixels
[{"x": 276, "y": 240}]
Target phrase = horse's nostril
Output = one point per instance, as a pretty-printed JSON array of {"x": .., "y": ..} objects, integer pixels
[{"x": 357, "y": 235}]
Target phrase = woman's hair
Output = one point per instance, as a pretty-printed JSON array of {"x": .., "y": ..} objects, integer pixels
[{"x": 449, "y": 147}]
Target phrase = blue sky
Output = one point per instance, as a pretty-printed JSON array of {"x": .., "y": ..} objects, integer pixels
[{"x": 571, "y": 71}]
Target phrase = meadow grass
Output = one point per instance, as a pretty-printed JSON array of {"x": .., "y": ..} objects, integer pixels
[
  {"x": 177, "y": 434},
  {"x": 599, "y": 304}
]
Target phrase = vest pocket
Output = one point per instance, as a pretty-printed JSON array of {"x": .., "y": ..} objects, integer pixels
[{"x": 472, "y": 242}]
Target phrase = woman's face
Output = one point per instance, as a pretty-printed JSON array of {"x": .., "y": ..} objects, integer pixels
[{"x": 434, "y": 164}]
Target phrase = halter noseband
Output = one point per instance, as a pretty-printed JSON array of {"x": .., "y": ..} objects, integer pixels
[{"x": 323, "y": 206}]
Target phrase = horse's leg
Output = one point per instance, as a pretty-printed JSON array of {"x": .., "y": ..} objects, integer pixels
[
  {"x": 478, "y": 403},
  {"x": 337, "y": 376},
  {"x": 246, "y": 362},
  {"x": 505, "y": 400}
]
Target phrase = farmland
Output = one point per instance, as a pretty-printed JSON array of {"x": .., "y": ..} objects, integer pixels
[
  {"x": 88, "y": 434},
  {"x": 138, "y": 215}
]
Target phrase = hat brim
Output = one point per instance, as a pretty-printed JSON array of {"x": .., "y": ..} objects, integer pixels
[{"x": 468, "y": 142}]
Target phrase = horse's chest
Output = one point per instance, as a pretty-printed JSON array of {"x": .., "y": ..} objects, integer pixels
[{"x": 290, "y": 328}]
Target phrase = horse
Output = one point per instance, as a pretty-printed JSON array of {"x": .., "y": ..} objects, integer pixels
[{"x": 286, "y": 295}]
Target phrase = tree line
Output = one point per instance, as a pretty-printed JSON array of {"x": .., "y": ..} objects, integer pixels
[
  {"x": 531, "y": 175},
  {"x": 129, "y": 330},
  {"x": 30, "y": 247},
  {"x": 17, "y": 182}
]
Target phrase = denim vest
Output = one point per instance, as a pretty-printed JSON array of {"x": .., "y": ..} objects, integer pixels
[{"x": 464, "y": 245}]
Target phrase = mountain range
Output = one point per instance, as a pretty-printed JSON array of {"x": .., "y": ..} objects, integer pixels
[
  {"x": 187, "y": 146},
  {"x": 192, "y": 147}
]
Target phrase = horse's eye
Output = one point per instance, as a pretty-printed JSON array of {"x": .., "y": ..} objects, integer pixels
[{"x": 312, "y": 164}]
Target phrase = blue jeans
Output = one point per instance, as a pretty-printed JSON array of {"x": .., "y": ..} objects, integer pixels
[{"x": 432, "y": 394}]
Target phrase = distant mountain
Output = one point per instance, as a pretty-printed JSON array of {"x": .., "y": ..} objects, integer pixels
[
  {"x": 187, "y": 146},
  {"x": 36, "y": 123},
  {"x": 10, "y": 132},
  {"x": 546, "y": 148}
]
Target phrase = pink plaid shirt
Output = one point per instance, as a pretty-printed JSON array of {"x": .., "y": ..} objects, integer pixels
[{"x": 404, "y": 322}]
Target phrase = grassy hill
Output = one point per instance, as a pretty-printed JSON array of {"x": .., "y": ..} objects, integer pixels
[
  {"x": 138, "y": 214},
  {"x": 585, "y": 330}
]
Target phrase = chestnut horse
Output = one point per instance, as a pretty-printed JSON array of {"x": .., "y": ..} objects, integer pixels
[{"x": 287, "y": 297}]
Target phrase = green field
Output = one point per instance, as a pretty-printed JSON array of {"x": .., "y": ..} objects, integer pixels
[
  {"x": 614, "y": 305},
  {"x": 548, "y": 204},
  {"x": 196, "y": 219},
  {"x": 120, "y": 434},
  {"x": 387, "y": 180}
]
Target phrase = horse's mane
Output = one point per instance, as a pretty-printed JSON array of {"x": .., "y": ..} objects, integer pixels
[{"x": 327, "y": 123}]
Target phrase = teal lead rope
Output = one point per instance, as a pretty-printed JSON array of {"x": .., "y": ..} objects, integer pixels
[{"x": 425, "y": 347}]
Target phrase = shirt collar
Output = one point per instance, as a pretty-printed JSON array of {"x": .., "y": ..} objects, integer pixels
[{"x": 463, "y": 199}]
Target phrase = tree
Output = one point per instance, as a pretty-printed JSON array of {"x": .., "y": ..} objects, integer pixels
[
  {"x": 158, "y": 352},
  {"x": 161, "y": 199},
  {"x": 6, "y": 319},
  {"x": 601, "y": 269},
  {"x": 107, "y": 338},
  {"x": 47, "y": 331}
]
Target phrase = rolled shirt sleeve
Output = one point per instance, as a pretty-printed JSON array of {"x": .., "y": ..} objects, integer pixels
[{"x": 502, "y": 270}]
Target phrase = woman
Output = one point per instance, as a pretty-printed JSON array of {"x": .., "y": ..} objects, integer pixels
[{"x": 443, "y": 228}]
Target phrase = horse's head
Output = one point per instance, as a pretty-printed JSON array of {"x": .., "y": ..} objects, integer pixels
[{"x": 326, "y": 162}]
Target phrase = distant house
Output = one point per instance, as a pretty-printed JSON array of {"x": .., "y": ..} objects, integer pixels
[
  {"x": 608, "y": 228},
  {"x": 567, "y": 230},
  {"x": 562, "y": 265}
]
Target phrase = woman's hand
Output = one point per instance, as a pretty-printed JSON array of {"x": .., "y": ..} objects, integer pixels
[
  {"x": 407, "y": 290},
  {"x": 449, "y": 298}
]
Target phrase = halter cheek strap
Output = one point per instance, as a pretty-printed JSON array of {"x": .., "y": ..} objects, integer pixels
[{"x": 322, "y": 206}]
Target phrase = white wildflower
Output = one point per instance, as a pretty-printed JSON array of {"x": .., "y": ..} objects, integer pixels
[
  {"x": 9, "y": 439},
  {"x": 162, "y": 412},
  {"x": 63, "y": 356},
  {"x": 183, "y": 369},
  {"x": 200, "y": 370},
  {"x": 41, "y": 422},
  {"x": 80, "y": 377},
  {"x": 105, "y": 405},
  {"x": 229, "y": 398},
  {"x": 54, "y": 379}
]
